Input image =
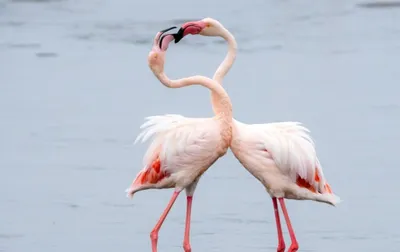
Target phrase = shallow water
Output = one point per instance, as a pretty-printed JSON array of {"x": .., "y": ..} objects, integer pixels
[{"x": 75, "y": 88}]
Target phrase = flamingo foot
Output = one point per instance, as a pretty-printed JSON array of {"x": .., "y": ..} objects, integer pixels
[
  {"x": 154, "y": 240},
  {"x": 281, "y": 247},
  {"x": 187, "y": 248},
  {"x": 294, "y": 247}
]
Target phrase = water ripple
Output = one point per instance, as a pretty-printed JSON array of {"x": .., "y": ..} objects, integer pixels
[
  {"x": 380, "y": 4},
  {"x": 12, "y": 23},
  {"x": 91, "y": 168},
  {"x": 23, "y": 45},
  {"x": 46, "y": 55},
  {"x": 36, "y": 1},
  {"x": 11, "y": 236},
  {"x": 68, "y": 204},
  {"x": 117, "y": 205},
  {"x": 241, "y": 220}
]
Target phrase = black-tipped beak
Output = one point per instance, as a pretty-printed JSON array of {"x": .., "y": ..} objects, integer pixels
[
  {"x": 179, "y": 35},
  {"x": 168, "y": 29},
  {"x": 162, "y": 35}
]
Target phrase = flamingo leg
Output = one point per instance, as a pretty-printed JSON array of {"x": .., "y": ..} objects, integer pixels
[
  {"x": 281, "y": 241},
  {"x": 294, "y": 246},
  {"x": 156, "y": 229},
  {"x": 186, "y": 242}
]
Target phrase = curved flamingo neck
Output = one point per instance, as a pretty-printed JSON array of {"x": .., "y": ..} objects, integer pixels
[
  {"x": 226, "y": 64},
  {"x": 223, "y": 105}
]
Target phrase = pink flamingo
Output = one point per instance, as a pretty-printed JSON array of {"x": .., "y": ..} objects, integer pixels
[
  {"x": 182, "y": 148},
  {"x": 280, "y": 155}
]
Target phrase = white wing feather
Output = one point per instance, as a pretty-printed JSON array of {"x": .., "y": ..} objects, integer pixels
[
  {"x": 176, "y": 137},
  {"x": 292, "y": 148}
]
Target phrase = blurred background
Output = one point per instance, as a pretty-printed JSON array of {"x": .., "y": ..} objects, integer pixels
[{"x": 75, "y": 87}]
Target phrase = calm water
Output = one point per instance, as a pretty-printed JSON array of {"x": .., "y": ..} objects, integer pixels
[{"x": 75, "y": 88}]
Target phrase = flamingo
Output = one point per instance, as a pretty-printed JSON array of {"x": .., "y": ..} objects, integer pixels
[
  {"x": 280, "y": 155},
  {"x": 182, "y": 148}
]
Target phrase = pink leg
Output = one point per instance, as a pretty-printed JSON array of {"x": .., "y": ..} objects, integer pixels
[
  {"x": 281, "y": 241},
  {"x": 156, "y": 229},
  {"x": 186, "y": 242},
  {"x": 294, "y": 246}
]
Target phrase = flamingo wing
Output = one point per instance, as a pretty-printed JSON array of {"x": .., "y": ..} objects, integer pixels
[
  {"x": 293, "y": 150},
  {"x": 179, "y": 143}
]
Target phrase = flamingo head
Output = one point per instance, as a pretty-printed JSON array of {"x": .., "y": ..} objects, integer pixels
[
  {"x": 156, "y": 56},
  {"x": 205, "y": 27}
]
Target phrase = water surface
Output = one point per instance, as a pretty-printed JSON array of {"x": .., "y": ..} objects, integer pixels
[{"x": 75, "y": 88}]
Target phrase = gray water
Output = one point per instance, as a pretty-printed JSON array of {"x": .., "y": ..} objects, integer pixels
[{"x": 75, "y": 87}]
